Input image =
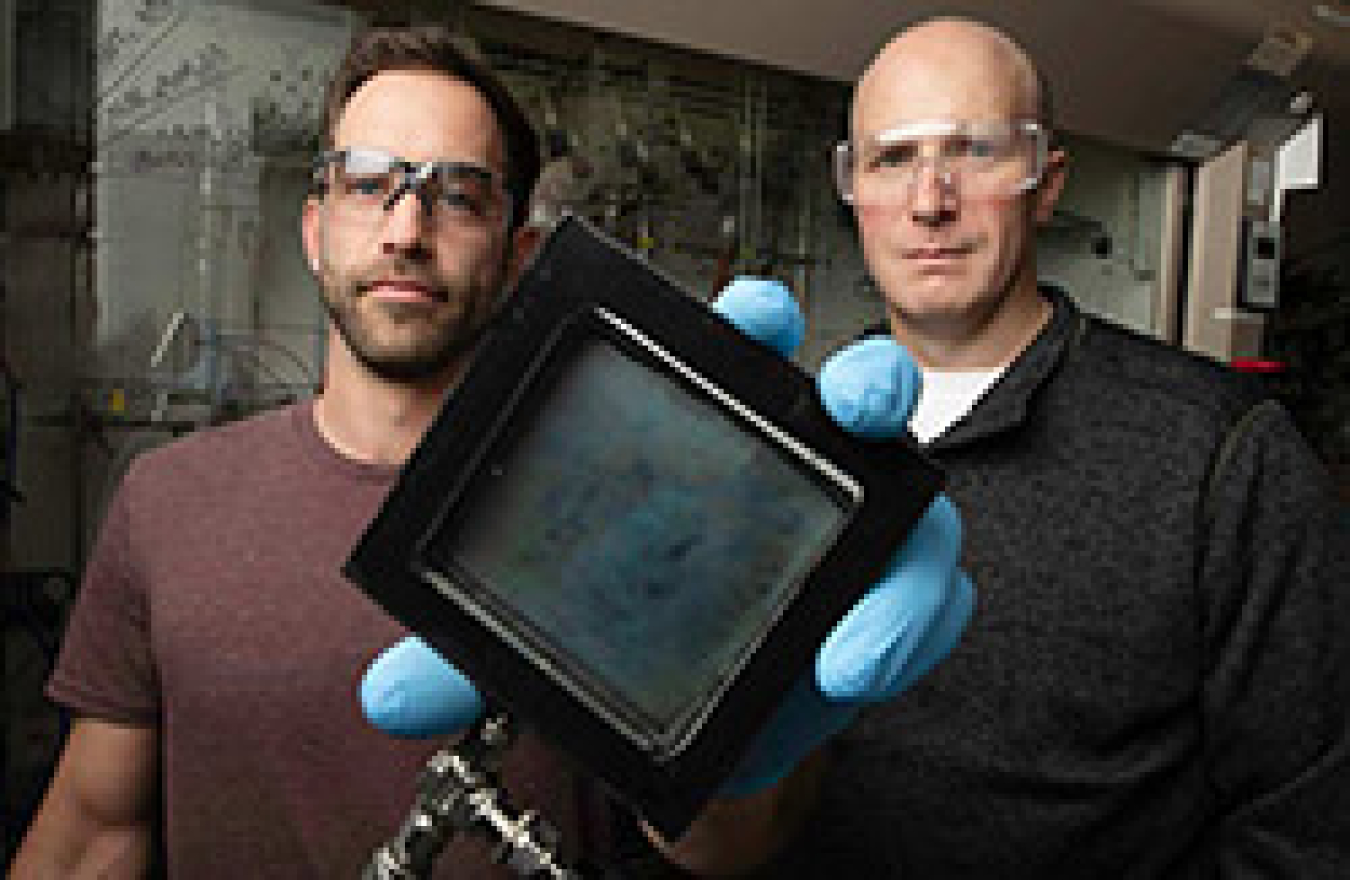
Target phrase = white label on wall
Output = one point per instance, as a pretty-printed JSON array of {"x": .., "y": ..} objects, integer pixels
[{"x": 1259, "y": 176}]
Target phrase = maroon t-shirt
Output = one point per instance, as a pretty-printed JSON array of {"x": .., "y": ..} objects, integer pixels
[{"x": 214, "y": 609}]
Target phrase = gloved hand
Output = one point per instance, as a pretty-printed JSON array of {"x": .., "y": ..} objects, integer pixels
[{"x": 896, "y": 633}]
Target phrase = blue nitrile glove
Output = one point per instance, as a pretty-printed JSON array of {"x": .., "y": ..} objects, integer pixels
[{"x": 898, "y": 631}]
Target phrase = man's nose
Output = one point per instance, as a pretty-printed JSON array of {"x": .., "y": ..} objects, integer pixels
[
  {"x": 407, "y": 223},
  {"x": 932, "y": 197}
]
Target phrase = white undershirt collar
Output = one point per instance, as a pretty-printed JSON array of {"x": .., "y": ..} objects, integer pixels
[{"x": 946, "y": 397}]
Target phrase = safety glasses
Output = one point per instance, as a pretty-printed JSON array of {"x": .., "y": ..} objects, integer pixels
[
  {"x": 363, "y": 186},
  {"x": 971, "y": 158}
]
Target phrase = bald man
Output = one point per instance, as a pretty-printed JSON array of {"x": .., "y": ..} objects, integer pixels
[{"x": 1154, "y": 683}]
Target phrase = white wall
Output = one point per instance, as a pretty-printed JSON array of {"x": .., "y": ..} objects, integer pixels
[{"x": 1124, "y": 196}]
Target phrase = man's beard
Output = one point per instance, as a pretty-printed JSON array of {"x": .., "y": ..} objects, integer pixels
[{"x": 449, "y": 327}]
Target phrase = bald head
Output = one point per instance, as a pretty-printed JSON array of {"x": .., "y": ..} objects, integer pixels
[
  {"x": 949, "y": 68},
  {"x": 948, "y": 233}
]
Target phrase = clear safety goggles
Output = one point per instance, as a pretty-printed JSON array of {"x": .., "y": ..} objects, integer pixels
[
  {"x": 361, "y": 187},
  {"x": 971, "y": 158}
]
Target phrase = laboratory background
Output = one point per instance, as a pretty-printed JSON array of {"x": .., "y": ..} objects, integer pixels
[{"x": 154, "y": 154}]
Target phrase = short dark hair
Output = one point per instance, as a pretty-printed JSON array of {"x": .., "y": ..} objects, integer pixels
[{"x": 435, "y": 48}]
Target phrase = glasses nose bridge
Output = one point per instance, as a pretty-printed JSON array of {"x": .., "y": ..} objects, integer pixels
[
  {"x": 414, "y": 178},
  {"x": 400, "y": 226},
  {"x": 931, "y": 181}
]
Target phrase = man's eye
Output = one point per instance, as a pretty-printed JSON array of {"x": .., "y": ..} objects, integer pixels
[
  {"x": 365, "y": 184},
  {"x": 466, "y": 195},
  {"x": 893, "y": 156},
  {"x": 979, "y": 148},
  {"x": 462, "y": 198}
]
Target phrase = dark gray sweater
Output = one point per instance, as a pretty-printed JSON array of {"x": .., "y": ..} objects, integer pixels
[{"x": 1156, "y": 679}]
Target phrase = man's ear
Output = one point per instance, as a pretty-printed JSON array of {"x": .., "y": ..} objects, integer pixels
[
  {"x": 1052, "y": 184},
  {"x": 522, "y": 246},
  {"x": 309, "y": 233}
]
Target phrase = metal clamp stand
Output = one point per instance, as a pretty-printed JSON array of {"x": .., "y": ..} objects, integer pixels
[{"x": 460, "y": 791}]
